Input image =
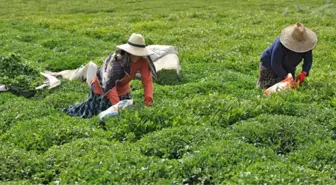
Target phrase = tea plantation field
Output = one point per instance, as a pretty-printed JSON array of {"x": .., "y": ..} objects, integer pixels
[{"x": 212, "y": 127}]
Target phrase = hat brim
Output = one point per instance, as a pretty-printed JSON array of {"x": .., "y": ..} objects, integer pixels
[
  {"x": 307, "y": 44},
  {"x": 137, "y": 51}
]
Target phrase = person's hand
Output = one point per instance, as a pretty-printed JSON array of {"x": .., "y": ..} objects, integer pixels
[
  {"x": 148, "y": 101},
  {"x": 300, "y": 78}
]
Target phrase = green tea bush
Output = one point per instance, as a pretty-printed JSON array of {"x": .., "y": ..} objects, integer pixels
[
  {"x": 102, "y": 162},
  {"x": 325, "y": 117},
  {"x": 280, "y": 105},
  {"x": 319, "y": 156},
  {"x": 145, "y": 120},
  {"x": 15, "y": 182},
  {"x": 68, "y": 94},
  {"x": 60, "y": 157},
  {"x": 282, "y": 173},
  {"x": 14, "y": 112},
  {"x": 41, "y": 133},
  {"x": 64, "y": 99},
  {"x": 16, "y": 164},
  {"x": 215, "y": 110},
  {"x": 333, "y": 129},
  {"x": 291, "y": 103},
  {"x": 222, "y": 110},
  {"x": 283, "y": 134},
  {"x": 173, "y": 143},
  {"x": 220, "y": 160}
]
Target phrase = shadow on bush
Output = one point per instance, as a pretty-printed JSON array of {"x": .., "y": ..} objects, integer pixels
[{"x": 169, "y": 77}]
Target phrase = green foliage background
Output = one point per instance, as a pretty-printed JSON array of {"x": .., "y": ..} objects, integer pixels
[{"x": 211, "y": 127}]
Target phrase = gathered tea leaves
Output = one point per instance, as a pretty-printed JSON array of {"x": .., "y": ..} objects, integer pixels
[{"x": 18, "y": 76}]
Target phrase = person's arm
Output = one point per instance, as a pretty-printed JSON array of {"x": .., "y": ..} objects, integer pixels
[
  {"x": 307, "y": 62},
  {"x": 147, "y": 82},
  {"x": 276, "y": 60}
]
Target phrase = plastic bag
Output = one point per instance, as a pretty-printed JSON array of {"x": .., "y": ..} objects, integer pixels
[
  {"x": 3, "y": 88},
  {"x": 115, "y": 109},
  {"x": 50, "y": 82},
  {"x": 287, "y": 83}
]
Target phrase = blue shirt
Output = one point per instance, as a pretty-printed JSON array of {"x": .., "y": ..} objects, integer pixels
[{"x": 283, "y": 61}]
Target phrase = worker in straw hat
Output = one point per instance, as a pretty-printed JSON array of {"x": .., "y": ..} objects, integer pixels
[
  {"x": 286, "y": 52},
  {"x": 111, "y": 83}
]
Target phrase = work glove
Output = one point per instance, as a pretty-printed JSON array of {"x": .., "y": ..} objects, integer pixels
[
  {"x": 148, "y": 101},
  {"x": 300, "y": 78}
]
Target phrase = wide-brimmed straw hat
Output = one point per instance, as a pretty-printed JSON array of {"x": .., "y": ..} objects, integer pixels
[
  {"x": 298, "y": 38},
  {"x": 136, "y": 46}
]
